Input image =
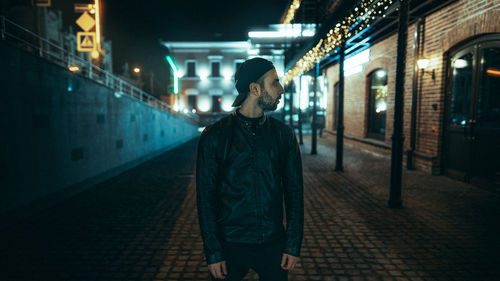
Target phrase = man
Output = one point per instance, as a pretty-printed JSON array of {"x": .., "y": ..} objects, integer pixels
[{"x": 247, "y": 163}]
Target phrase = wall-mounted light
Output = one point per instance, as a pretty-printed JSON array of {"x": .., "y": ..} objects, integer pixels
[
  {"x": 73, "y": 68},
  {"x": 422, "y": 64},
  {"x": 460, "y": 63}
]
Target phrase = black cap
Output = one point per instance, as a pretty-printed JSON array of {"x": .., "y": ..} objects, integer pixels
[{"x": 250, "y": 71}]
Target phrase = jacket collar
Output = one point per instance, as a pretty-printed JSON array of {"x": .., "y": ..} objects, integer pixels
[{"x": 261, "y": 121}]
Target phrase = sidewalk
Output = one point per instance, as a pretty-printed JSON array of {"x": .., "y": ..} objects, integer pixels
[{"x": 143, "y": 225}]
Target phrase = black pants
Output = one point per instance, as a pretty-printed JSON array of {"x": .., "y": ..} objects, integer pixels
[{"x": 265, "y": 259}]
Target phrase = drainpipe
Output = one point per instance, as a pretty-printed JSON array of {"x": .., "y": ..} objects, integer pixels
[
  {"x": 417, "y": 53},
  {"x": 301, "y": 141},
  {"x": 339, "y": 159}
]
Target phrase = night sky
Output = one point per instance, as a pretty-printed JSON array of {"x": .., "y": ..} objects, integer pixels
[{"x": 136, "y": 26}]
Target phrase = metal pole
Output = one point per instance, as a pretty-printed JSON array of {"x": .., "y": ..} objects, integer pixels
[
  {"x": 339, "y": 160},
  {"x": 398, "y": 137},
  {"x": 301, "y": 141},
  {"x": 314, "y": 117},
  {"x": 291, "y": 89}
]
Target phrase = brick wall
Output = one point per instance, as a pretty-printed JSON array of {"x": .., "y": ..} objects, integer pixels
[{"x": 443, "y": 30}]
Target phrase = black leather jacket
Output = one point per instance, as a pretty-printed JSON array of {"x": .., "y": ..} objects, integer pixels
[{"x": 243, "y": 172}]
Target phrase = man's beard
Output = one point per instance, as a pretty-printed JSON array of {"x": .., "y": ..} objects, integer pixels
[{"x": 266, "y": 102}]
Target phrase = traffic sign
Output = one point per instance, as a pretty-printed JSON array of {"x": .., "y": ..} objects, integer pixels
[
  {"x": 43, "y": 3},
  {"x": 85, "y": 21},
  {"x": 81, "y": 8},
  {"x": 85, "y": 41}
]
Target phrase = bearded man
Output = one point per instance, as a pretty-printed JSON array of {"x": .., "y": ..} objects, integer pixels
[{"x": 248, "y": 170}]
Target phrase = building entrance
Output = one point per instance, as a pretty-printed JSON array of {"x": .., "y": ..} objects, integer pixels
[{"x": 472, "y": 122}]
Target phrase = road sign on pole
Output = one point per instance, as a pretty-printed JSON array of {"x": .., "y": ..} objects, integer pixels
[
  {"x": 85, "y": 22},
  {"x": 85, "y": 41},
  {"x": 81, "y": 8},
  {"x": 43, "y": 3}
]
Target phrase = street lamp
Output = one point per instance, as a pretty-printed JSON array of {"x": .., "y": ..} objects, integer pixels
[{"x": 137, "y": 70}]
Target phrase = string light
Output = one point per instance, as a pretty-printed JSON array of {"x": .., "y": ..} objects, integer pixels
[
  {"x": 290, "y": 14},
  {"x": 361, "y": 18}
]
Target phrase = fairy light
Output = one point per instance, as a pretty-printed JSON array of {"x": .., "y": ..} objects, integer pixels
[
  {"x": 360, "y": 18},
  {"x": 290, "y": 14}
]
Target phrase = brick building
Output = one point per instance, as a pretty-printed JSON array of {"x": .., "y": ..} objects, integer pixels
[{"x": 455, "y": 85}]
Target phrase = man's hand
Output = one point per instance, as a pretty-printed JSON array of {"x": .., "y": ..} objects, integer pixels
[
  {"x": 218, "y": 270},
  {"x": 288, "y": 261}
]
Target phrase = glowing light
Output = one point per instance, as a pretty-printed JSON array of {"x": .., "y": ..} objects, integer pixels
[
  {"x": 304, "y": 92},
  {"x": 281, "y": 33},
  {"x": 175, "y": 72},
  {"x": 228, "y": 74},
  {"x": 290, "y": 14},
  {"x": 97, "y": 24},
  {"x": 493, "y": 72},
  {"x": 227, "y": 104},
  {"x": 381, "y": 106},
  {"x": 253, "y": 52},
  {"x": 204, "y": 103},
  {"x": 422, "y": 63},
  {"x": 359, "y": 19},
  {"x": 381, "y": 73},
  {"x": 137, "y": 70},
  {"x": 353, "y": 70},
  {"x": 203, "y": 74},
  {"x": 185, "y": 111},
  {"x": 460, "y": 63},
  {"x": 355, "y": 63},
  {"x": 95, "y": 54},
  {"x": 193, "y": 110},
  {"x": 74, "y": 68}
]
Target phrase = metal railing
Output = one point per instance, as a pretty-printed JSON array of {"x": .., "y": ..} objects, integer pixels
[{"x": 32, "y": 42}]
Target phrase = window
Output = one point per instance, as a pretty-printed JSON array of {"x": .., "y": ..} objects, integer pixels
[
  {"x": 192, "y": 102},
  {"x": 377, "y": 104},
  {"x": 216, "y": 103},
  {"x": 191, "y": 68},
  {"x": 215, "y": 67},
  {"x": 237, "y": 65}
]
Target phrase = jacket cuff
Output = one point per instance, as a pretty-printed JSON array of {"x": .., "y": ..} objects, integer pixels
[
  {"x": 291, "y": 250},
  {"x": 214, "y": 257}
]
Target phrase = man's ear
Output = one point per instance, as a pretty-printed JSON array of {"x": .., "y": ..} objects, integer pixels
[{"x": 254, "y": 88}]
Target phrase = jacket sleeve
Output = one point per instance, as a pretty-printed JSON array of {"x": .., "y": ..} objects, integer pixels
[
  {"x": 206, "y": 182},
  {"x": 294, "y": 200}
]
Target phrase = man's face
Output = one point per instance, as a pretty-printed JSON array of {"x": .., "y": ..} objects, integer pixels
[{"x": 271, "y": 91}]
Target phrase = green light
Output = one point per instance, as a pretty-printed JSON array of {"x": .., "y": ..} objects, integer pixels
[{"x": 176, "y": 75}]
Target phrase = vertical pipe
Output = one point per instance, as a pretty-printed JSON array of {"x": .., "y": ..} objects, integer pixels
[
  {"x": 398, "y": 137},
  {"x": 339, "y": 165},
  {"x": 301, "y": 141},
  {"x": 414, "y": 95},
  {"x": 314, "y": 117},
  {"x": 292, "y": 89}
]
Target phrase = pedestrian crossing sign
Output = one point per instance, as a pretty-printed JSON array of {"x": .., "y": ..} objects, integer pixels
[{"x": 85, "y": 41}]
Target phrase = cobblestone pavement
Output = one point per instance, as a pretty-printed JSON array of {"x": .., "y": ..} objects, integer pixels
[{"x": 143, "y": 225}]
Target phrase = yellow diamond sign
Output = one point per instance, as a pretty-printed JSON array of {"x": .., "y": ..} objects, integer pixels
[{"x": 85, "y": 21}]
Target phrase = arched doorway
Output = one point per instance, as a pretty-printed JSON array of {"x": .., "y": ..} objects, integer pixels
[{"x": 471, "y": 147}]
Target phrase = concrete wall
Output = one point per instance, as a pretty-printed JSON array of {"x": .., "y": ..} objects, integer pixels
[{"x": 61, "y": 132}]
